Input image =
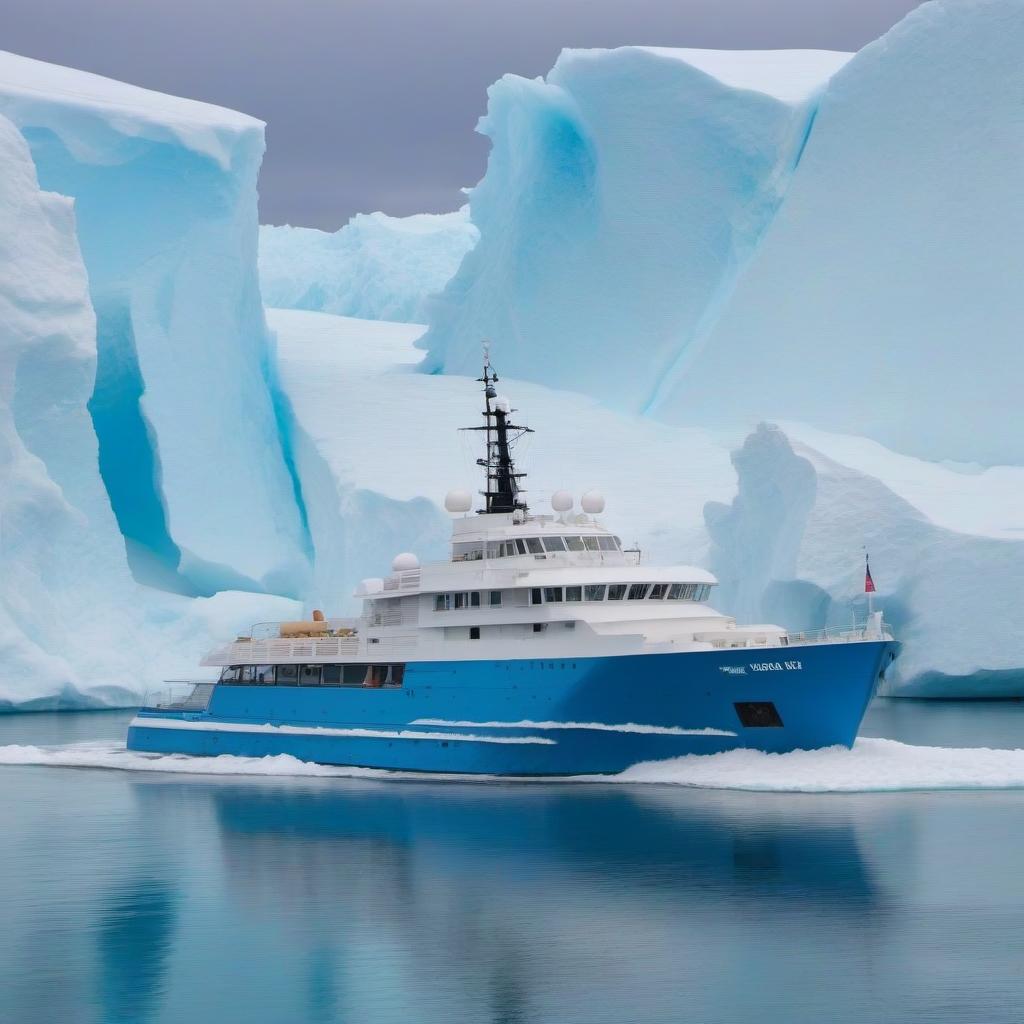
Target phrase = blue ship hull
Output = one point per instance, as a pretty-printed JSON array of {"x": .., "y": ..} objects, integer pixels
[{"x": 541, "y": 717}]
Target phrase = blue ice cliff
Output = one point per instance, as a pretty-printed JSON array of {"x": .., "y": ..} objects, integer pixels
[{"x": 164, "y": 194}]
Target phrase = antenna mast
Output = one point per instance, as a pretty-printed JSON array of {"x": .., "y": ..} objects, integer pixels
[{"x": 503, "y": 493}]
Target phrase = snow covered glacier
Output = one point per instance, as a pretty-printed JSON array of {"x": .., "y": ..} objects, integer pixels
[{"x": 375, "y": 268}]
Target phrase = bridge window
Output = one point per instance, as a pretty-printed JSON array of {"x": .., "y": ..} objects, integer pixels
[
  {"x": 309, "y": 675},
  {"x": 495, "y": 600},
  {"x": 594, "y": 591},
  {"x": 264, "y": 675},
  {"x": 534, "y": 545},
  {"x": 231, "y": 674},
  {"x": 606, "y": 543},
  {"x": 536, "y": 596},
  {"x": 442, "y": 602},
  {"x": 590, "y": 543},
  {"x": 554, "y": 544},
  {"x": 616, "y": 591},
  {"x": 675, "y": 592},
  {"x": 574, "y": 543},
  {"x": 552, "y": 595},
  {"x": 657, "y": 592},
  {"x": 574, "y": 593},
  {"x": 637, "y": 591},
  {"x": 287, "y": 675},
  {"x": 474, "y": 632},
  {"x": 521, "y": 546}
]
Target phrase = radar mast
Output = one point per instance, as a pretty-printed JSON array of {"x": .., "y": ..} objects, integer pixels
[{"x": 503, "y": 493}]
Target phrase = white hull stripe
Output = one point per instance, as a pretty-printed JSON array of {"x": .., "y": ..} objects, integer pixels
[
  {"x": 653, "y": 730},
  {"x": 297, "y": 730}
]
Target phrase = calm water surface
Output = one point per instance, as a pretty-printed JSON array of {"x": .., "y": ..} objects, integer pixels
[{"x": 137, "y": 897}]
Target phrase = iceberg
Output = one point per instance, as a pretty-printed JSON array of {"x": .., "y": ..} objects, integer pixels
[
  {"x": 375, "y": 267},
  {"x": 946, "y": 543},
  {"x": 624, "y": 195},
  {"x": 377, "y": 446},
  {"x": 884, "y": 296},
  {"x": 75, "y": 628},
  {"x": 165, "y": 209}
]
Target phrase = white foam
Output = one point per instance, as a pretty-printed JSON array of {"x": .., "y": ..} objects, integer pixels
[
  {"x": 116, "y": 756},
  {"x": 656, "y": 730},
  {"x": 873, "y": 765}
]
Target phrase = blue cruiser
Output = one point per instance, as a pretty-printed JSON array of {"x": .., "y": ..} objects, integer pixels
[{"x": 542, "y": 647}]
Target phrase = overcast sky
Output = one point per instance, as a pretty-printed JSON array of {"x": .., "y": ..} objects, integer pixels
[{"x": 371, "y": 104}]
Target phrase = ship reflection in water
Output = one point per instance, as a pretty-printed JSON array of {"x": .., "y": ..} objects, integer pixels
[{"x": 335, "y": 900}]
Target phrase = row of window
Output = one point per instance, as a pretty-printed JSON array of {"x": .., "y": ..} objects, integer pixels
[
  {"x": 465, "y": 599},
  {"x": 622, "y": 592},
  {"x": 591, "y": 592},
  {"x": 373, "y": 676},
  {"x": 535, "y": 546}
]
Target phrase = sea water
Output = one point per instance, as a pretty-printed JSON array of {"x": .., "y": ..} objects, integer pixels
[{"x": 148, "y": 896}]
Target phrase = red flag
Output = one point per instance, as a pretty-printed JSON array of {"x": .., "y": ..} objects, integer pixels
[{"x": 869, "y": 583}]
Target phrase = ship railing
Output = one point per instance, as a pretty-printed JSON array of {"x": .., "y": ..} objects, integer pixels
[
  {"x": 832, "y": 635},
  {"x": 181, "y": 695}
]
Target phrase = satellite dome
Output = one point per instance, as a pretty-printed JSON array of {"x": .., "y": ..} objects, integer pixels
[
  {"x": 406, "y": 560},
  {"x": 458, "y": 501},
  {"x": 561, "y": 501},
  {"x": 592, "y": 502},
  {"x": 501, "y": 404}
]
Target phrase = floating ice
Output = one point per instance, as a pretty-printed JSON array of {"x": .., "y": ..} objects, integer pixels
[{"x": 376, "y": 267}]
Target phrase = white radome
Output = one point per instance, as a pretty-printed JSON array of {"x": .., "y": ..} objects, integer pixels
[
  {"x": 501, "y": 404},
  {"x": 405, "y": 560},
  {"x": 592, "y": 503},
  {"x": 561, "y": 501},
  {"x": 458, "y": 501}
]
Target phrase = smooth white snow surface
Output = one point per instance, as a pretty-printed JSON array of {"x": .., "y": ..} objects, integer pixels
[
  {"x": 873, "y": 765},
  {"x": 51, "y": 95},
  {"x": 791, "y": 76},
  {"x": 376, "y": 267},
  {"x": 372, "y": 435}
]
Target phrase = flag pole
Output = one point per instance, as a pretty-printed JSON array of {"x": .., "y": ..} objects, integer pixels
[{"x": 871, "y": 591}]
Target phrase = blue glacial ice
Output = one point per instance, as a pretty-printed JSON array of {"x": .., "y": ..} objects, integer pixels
[
  {"x": 884, "y": 297},
  {"x": 165, "y": 209},
  {"x": 624, "y": 194},
  {"x": 75, "y": 627},
  {"x": 375, "y": 267}
]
